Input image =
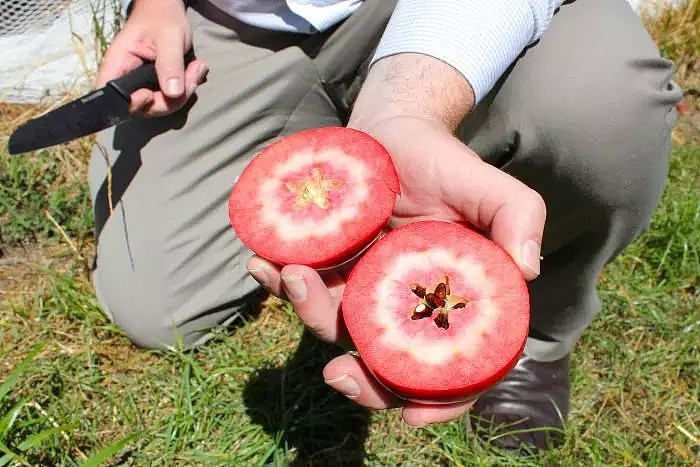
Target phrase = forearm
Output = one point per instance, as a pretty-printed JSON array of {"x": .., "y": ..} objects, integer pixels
[
  {"x": 467, "y": 44},
  {"x": 413, "y": 85}
]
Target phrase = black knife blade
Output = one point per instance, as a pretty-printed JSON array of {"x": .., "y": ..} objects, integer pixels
[{"x": 88, "y": 114}]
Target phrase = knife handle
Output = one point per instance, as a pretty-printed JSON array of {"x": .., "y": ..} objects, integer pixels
[{"x": 143, "y": 77}]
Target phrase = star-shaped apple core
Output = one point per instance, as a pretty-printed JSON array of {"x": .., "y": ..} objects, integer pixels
[{"x": 313, "y": 189}]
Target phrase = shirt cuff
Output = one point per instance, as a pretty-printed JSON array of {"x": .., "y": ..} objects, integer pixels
[{"x": 479, "y": 38}]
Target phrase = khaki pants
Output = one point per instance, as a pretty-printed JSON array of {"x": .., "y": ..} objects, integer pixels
[{"x": 584, "y": 117}]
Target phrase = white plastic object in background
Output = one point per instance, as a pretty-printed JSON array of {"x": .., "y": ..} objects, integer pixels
[{"x": 50, "y": 48}]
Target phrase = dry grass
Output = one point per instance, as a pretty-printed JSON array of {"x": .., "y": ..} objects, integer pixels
[{"x": 676, "y": 34}]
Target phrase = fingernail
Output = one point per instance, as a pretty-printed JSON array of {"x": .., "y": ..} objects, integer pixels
[
  {"x": 260, "y": 276},
  {"x": 531, "y": 256},
  {"x": 295, "y": 287},
  {"x": 174, "y": 87},
  {"x": 345, "y": 385}
]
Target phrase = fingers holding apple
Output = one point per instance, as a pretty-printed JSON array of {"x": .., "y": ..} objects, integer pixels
[
  {"x": 348, "y": 375},
  {"x": 316, "y": 302}
]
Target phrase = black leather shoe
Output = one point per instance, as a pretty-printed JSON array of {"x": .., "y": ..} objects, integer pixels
[{"x": 526, "y": 410}]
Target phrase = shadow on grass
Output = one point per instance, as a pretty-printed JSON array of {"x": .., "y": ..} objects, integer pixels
[{"x": 295, "y": 406}]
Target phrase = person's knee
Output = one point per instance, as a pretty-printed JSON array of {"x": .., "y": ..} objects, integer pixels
[
  {"x": 142, "y": 308},
  {"x": 608, "y": 135},
  {"x": 155, "y": 313}
]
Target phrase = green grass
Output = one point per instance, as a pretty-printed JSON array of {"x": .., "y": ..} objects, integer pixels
[
  {"x": 38, "y": 192},
  {"x": 255, "y": 396}
]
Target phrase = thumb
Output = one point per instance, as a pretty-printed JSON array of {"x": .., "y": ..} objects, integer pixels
[
  {"x": 517, "y": 226},
  {"x": 510, "y": 212},
  {"x": 170, "y": 62}
]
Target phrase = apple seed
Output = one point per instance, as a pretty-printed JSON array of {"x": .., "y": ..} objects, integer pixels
[{"x": 439, "y": 301}]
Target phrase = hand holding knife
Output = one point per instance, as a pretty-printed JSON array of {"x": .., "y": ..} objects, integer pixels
[{"x": 93, "y": 112}]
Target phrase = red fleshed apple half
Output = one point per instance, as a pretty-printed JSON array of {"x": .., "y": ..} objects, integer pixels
[
  {"x": 316, "y": 197},
  {"x": 437, "y": 312}
]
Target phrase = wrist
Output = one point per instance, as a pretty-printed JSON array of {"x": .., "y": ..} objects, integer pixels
[{"x": 415, "y": 86}]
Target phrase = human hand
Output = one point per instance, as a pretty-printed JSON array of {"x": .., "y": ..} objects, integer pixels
[
  {"x": 412, "y": 104},
  {"x": 441, "y": 178},
  {"x": 157, "y": 30}
]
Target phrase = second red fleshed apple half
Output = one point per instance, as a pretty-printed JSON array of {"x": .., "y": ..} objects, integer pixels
[{"x": 438, "y": 312}]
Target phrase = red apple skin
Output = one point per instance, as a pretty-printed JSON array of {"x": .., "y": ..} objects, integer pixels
[
  {"x": 416, "y": 359},
  {"x": 317, "y": 250}
]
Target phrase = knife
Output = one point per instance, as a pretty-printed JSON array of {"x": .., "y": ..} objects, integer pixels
[{"x": 95, "y": 111}]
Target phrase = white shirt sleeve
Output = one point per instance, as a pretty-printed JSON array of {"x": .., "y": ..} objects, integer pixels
[{"x": 479, "y": 38}]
